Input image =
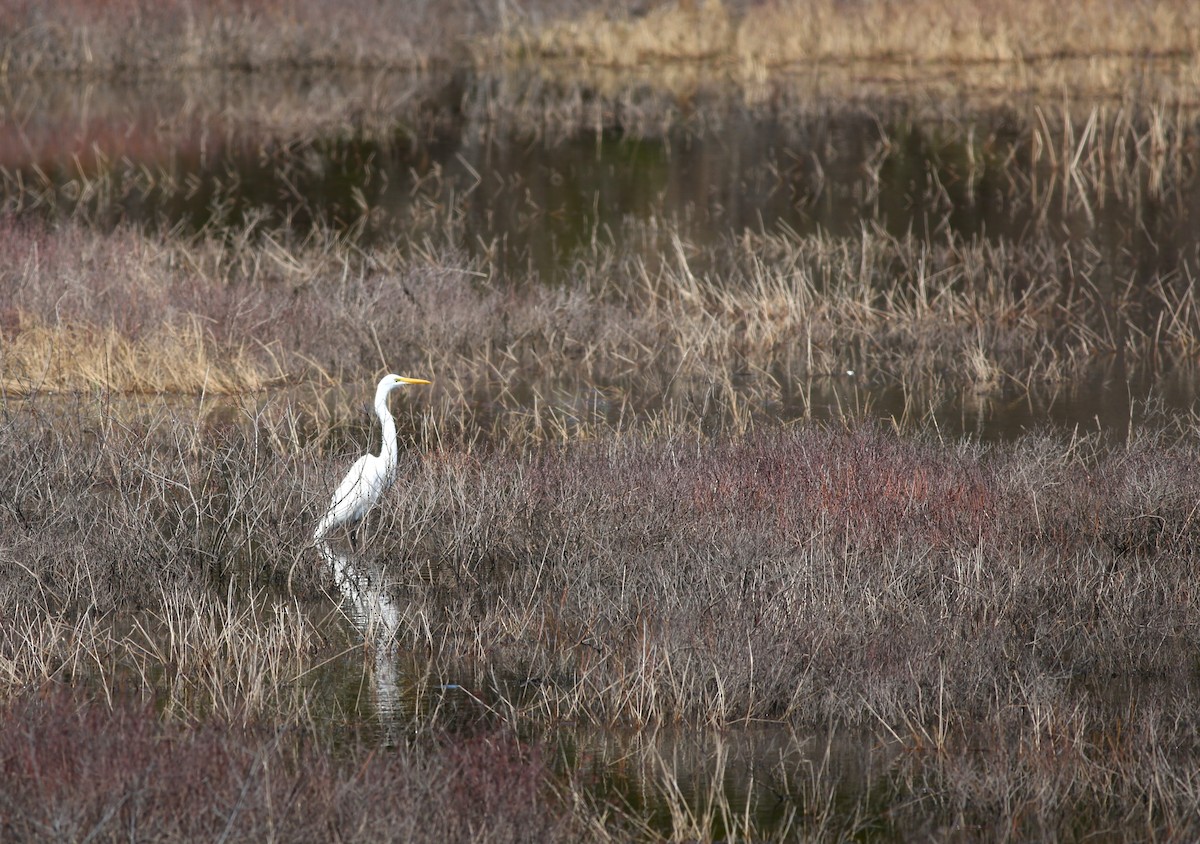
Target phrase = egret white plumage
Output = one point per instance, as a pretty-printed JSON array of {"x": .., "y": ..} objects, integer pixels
[{"x": 371, "y": 474}]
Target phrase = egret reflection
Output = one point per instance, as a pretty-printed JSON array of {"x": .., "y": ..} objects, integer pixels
[{"x": 376, "y": 616}]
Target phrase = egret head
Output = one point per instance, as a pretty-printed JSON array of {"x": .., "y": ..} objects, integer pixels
[
  {"x": 398, "y": 380},
  {"x": 391, "y": 382}
]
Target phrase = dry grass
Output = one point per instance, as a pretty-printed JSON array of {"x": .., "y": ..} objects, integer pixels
[
  {"x": 846, "y": 563},
  {"x": 976, "y": 46},
  {"x": 934, "y": 595},
  {"x": 137, "y": 37},
  {"x": 734, "y": 334},
  {"x": 179, "y": 653},
  {"x": 773, "y": 34},
  {"x": 687, "y": 31},
  {"x": 607, "y": 527},
  {"x": 784, "y": 56},
  {"x": 174, "y": 360},
  {"x": 937, "y": 30}
]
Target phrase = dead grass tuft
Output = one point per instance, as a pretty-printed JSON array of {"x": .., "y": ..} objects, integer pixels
[
  {"x": 934, "y": 30},
  {"x": 689, "y": 31},
  {"x": 174, "y": 360},
  {"x": 769, "y": 35}
]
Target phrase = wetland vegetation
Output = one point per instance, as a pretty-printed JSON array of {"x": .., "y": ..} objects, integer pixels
[{"x": 811, "y": 452}]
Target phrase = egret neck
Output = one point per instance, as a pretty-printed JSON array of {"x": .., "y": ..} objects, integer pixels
[{"x": 389, "y": 452}]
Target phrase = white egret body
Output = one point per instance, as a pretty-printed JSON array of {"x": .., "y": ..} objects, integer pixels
[{"x": 371, "y": 474}]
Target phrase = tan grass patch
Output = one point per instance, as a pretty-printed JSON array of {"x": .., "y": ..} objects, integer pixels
[
  {"x": 173, "y": 359},
  {"x": 774, "y": 34},
  {"x": 686, "y": 30}
]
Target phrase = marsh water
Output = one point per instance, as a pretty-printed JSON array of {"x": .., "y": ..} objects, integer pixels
[
  {"x": 229, "y": 153},
  {"x": 419, "y": 161}
]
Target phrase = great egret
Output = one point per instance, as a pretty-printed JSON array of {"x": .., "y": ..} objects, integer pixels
[{"x": 371, "y": 474}]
